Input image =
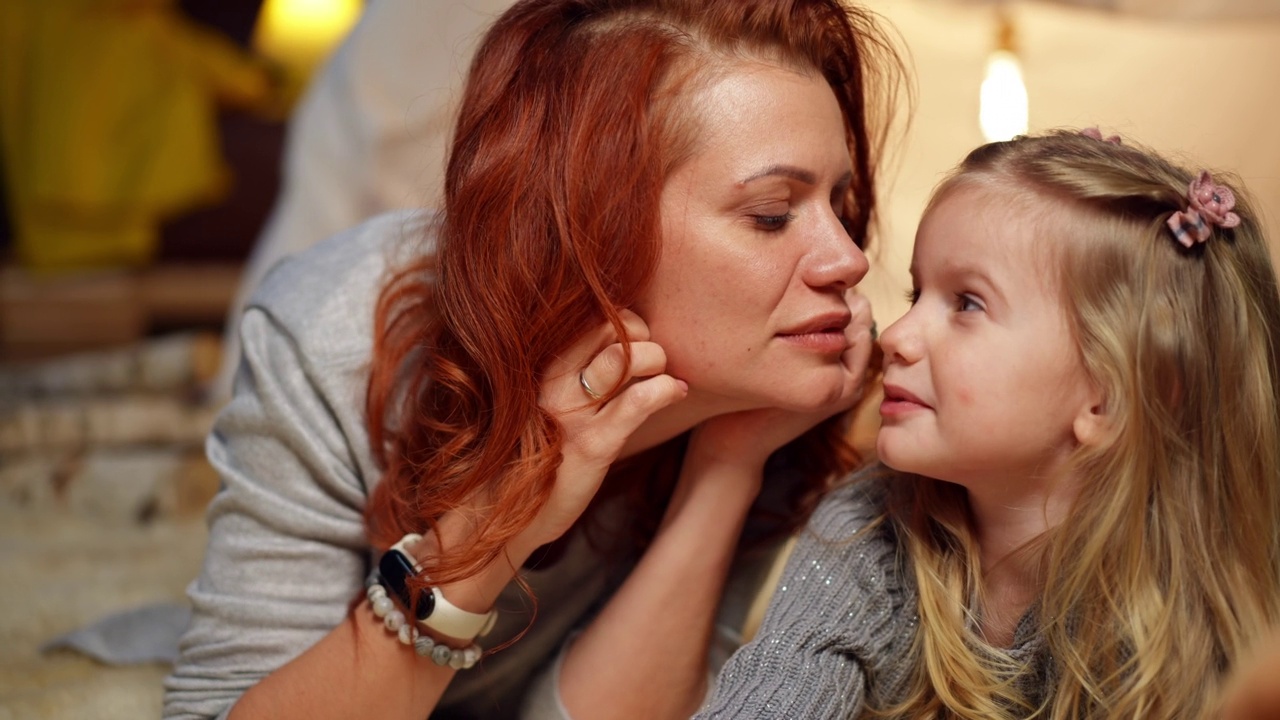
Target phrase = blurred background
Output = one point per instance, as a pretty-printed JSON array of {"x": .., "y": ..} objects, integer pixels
[{"x": 157, "y": 156}]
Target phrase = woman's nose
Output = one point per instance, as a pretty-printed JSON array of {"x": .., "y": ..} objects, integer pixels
[{"x": 836, "y": 261}]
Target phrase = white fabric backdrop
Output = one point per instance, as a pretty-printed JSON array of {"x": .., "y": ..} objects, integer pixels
[{"x": 1208, "y": 91}]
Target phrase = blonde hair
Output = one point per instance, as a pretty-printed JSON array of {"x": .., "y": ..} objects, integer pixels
[{"x": 1167, "y": 566}]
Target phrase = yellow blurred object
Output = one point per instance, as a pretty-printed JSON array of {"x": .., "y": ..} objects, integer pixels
[
  {"x": 108, "y": 124},
  {"x": 298, "y": 35}
]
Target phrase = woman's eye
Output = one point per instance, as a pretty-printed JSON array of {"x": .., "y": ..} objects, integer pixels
[
  {"x": 772, "y": 223},
  {"x": 967, "y": 303},
  {"x": 913, "y": 295}
]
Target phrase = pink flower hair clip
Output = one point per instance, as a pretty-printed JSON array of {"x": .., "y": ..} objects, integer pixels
[
  {"x": 1096, "y": 134},
  {"x": 1209, "y": 205}
]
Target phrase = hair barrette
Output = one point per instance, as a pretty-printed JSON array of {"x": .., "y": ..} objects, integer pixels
[
  {"x": 1209, "y": 205},
  {"x": 1096, "y": 134}
]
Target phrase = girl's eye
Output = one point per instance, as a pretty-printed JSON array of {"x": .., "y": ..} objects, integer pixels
[
  {"x": 772, "y": 223},
  {"x": 913, "y": 295},
  {"x": 967, "y": 303}
]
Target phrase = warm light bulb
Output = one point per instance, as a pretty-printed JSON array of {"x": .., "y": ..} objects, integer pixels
[
  {"x": 1002, "y": 109},
  {"x": 300, "y": 33}
]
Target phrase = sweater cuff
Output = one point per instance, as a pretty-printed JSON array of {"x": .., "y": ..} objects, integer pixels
[{"x": 543, "y": 700}]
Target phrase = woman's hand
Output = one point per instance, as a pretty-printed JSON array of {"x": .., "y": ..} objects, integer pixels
[
  {"x": 751, "y": 436},
  {"x": 595, "y": 429}
]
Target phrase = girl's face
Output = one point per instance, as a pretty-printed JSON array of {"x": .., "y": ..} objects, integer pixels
[
  {"x": 749, "y": 296},
  {"x": 983, "y": 379}
]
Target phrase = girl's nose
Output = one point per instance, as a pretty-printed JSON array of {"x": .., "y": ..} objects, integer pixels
[{"x": 900, "y": 341}]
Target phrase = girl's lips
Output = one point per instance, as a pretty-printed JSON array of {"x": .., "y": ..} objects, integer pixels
[{"x": 899, "y": 402}]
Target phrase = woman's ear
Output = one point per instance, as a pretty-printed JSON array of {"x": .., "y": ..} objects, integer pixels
[{"x": 1093, "y": 422}]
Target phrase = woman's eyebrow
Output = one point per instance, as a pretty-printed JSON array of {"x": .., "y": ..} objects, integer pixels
[{"x": 796, "y": 173}]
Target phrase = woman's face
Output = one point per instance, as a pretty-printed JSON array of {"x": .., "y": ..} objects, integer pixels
[{"x": 749, "y": 296}]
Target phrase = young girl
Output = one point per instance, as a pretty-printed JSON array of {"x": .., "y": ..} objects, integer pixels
[{"x": 1081, "y": 503}]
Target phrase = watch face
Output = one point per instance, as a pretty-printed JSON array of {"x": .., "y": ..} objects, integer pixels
[{"x": 396, "y": 568}]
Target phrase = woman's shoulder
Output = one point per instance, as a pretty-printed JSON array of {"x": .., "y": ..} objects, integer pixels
[
  {"x": 324, "y": 297},
  {"x": 344, "y": 269}
]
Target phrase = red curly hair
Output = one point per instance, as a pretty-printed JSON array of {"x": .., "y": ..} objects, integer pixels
[{"x": 570, "y": 124}]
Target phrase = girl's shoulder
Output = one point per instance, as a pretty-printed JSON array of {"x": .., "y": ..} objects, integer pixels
[
  {"x": 855, "y": 504},
  {"x": 851, "y": 535}
]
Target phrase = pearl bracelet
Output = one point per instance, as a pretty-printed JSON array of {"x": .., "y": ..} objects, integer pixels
[{"x": 424, "y": 645}]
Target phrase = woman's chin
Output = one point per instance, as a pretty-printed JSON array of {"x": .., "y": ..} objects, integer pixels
[
  {"x": 817, "y": 400},
  {"x": 828, "y": 391},
  {"x": 830, "y": 395}
]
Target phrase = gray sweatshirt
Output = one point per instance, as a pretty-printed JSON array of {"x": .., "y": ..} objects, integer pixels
[
  {"x": 837, "y": 637},
  {"x": 287, "y": 550}
]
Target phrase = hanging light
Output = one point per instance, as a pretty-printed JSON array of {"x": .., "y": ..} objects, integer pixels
[
  {"x": 1002, "y": 102},
  {"x": 299, "y": 34}
]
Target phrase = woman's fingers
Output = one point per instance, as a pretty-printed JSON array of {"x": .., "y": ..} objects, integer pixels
[
  {"x": 601, "y": 390},
  {"x": 570, "y": 368},
  {"x": 619, "y": 418},
  {"x": 610, "y": 367},
  {"x": 857, "y": 358},
  {"x": 600, "y": 428},
  {"x": 597, "y": 424}
]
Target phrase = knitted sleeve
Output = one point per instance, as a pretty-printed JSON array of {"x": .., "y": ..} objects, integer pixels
[
  {"x": 287, "y": 551},
  {"x": 839, "y": 621}
]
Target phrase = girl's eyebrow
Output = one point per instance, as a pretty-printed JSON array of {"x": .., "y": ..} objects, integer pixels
[
  {"x": 972, "y": 272},
  {"x": 963, "y": 271}
]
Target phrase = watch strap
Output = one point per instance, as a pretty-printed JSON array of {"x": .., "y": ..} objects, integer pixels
[{"x": 434, "y": 611}]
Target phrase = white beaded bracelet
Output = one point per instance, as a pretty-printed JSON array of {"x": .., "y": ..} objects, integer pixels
[{"x": 424, "y": 645}]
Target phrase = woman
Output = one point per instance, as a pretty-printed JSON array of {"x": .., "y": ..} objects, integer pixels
[{"x": 638, "y": 292}]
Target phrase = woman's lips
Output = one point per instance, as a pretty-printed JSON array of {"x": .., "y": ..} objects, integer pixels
[{"x": 822, "y": 333}]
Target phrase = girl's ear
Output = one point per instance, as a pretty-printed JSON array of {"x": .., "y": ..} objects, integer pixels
[{"x": 1093, "y": 422}]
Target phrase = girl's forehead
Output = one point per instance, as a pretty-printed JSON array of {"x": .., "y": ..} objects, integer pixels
[{"x": 975, "y": 225}]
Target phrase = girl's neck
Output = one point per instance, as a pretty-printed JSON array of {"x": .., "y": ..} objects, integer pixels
[
  {"x": 1009, "y": 587},
  {"x": 1011, "y": 512},
  {"x": 1007, "y": 523}
]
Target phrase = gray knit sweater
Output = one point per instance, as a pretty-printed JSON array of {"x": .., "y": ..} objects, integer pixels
[
  {"x": 839, "y": 627},
  {"x": 838, "y": 633},
  {"x": 287, "y": 550}
]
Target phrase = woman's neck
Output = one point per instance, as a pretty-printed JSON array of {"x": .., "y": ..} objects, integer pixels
[{"x": 674, "y": 420}]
